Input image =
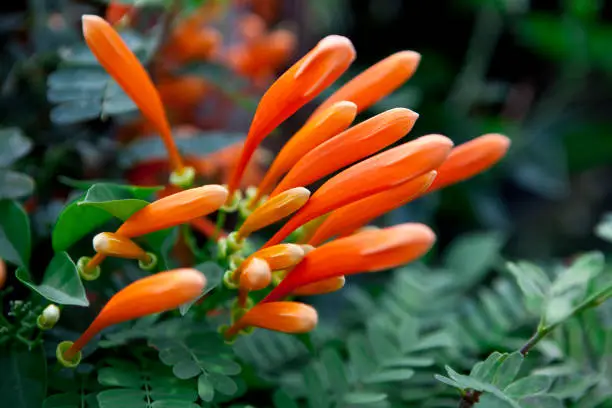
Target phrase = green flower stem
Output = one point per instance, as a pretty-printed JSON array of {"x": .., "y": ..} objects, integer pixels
[{"x": 221, "y": 215}]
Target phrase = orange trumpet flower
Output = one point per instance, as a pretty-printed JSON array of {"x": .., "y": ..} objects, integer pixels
[
  {"x": 321, "y": 287},
  {"x": 296, "y": 87},
  {"x": 323, "y": 126},
  {"x": 367, "y": 251},
  {"x": 171, "y": 210},
  {"x": 174, "y": 209},
  {"x": 378, "y": 173},
  {"x": 119, "y": 61},
  {"x": 357, "y": 142},
  {"x": 349, "y": 218},
  {"x": 286, "y": 317},
  {"x": 154, "y": 294},
  {"x": 376, "y": 82},
  {"x": 471, "y": 158},
  {"x": 274, "y": 210},
  {"x": 109, "y": 244}
]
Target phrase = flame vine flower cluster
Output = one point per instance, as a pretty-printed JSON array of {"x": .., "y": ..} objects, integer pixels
[{"x": 324, "y": 236}]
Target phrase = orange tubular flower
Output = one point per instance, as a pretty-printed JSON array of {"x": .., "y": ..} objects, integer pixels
[
  {"x": 117, "y": 59},
  {"x": 119, "y": 246},
  {"x": 274, "y": 210},
  {"x": 296, "y": 87},
  {"x": 325, "y": 125},
  {"x": 286, "y": 317},
  {"x": 357, "y": 142},
  {"x": 378, "y": 173},
  {"x": 154, "y": 294},
  {"x": 174, "y": 209},
  {"x": 471, "y": 158},
  {"x": 349, "y": 218},
  {"x": 321, "y": 287},
  {"x": 376, "y": 82},
  {"x": 367, "y": 251}
]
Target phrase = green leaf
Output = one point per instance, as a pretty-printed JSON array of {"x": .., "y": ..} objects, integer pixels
[
  {"x": 115, "y": 377},
  {"x": 61, "y": 283},
  {"x": 14, "y": 185},
  {"x": 13, "y": 145},
  {"x": 474, "y": 254},
  {"x": 206, "y": 390},
  {"x": 67, "y": 400},
  {"x": 541, "y": 401},
  {"x": 582, "y": 270},
  {"x": 121, "y": 398},
  {"x": 74, "y": 222},
  {"x": 15, "y": 239},
  {"x": 448, "y": 381},
  {"x": 390, "y": 376},
  {"x": 485, "y": 370},
  {"x": 185, "y": 369},
  {"x": 508, "y": 370},
  {"x": 527, "y": 386},
  {"x": 223, "y": 383},
  {"x": 282, "y": 400},
  {"x": 362, "y": 398},
  {"x": 214, "y": 276},
  {"x": 533, "y": 281},
  {"x": 336, "y": 375},
  {"x": 604, "y": 229},
  {"x": 316, "y": 393},
  {"x": 23, "y": 377},
  {"x": 97, "y": 207},
  {"x": 115, "y": 200}
]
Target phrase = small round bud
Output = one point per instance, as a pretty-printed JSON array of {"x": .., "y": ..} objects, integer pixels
[
  {"x": 234, "y": 243},
  {"x": 48, "y": 318},
  {"x": 184, "y": 179},
  {"x": 88, "y": 274}
]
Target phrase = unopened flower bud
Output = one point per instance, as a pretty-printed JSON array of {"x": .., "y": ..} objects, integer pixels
[{"x": 48, "y": 318}]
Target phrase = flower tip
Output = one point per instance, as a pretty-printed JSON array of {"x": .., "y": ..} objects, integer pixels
[
  {"x": 340, "y": 45},
  {"x": 256, "y": 275},
  {"x": 408, "y": 58},
  {"x": 101, "y": 242},
  {"x": 503, "y": 142},
  {"x": 193, "y": 279}
]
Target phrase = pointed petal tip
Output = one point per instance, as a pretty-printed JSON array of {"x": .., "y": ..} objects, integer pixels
[
  {"x": 502, "y": 141},
  {"x": 408, "y": 56}
]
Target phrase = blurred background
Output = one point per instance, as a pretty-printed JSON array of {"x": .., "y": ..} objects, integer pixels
[{"x": 538, "y": 71}]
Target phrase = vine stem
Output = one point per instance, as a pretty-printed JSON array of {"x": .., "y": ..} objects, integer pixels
[{"x": 471, "y": 397}]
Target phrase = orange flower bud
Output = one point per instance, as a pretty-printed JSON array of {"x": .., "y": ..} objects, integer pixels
[
  {"x": 357, "y": 142},
  {"x": 286, "y": 317},
  {"x": 256, "y": 275},
  {"x": 367, "y": 251},
  {"x": 296, "y": 87},
  {"x": 321, "y": 287},
  {"x": 378, "y": 173},
  {"x": 116, "y": 11},
  {"x": 376, "y": 82},
  {"x": 154, "y": 294},
  {"x": 349, "y": 218},
  {"x": 109, "y": 244},
  {"x": 471, "y": 158},
  {"x": 274, "y": 210},
  {"x": 281, "y": 256},
  {"x": 322, "y": 127},
  {"x": 119, "y": 61},
  {"x": 174, "y": 209}
]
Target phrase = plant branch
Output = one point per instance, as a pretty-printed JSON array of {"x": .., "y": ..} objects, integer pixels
[{"x": 471, "y": 397}]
